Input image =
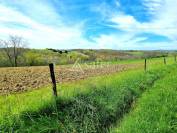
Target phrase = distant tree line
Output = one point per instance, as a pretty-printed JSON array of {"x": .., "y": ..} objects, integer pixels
[
  {"x": 58, "y": 51},
  {"x": 14, "y": 52}
]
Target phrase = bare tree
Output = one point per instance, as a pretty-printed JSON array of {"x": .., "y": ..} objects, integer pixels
[{"x": 13, "y": 48}]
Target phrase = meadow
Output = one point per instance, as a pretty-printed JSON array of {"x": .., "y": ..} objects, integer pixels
[
  {"x": 102, "y": 103},
  {"x": 155, "y": 111}
]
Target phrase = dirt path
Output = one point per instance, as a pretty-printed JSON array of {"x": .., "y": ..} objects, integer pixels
[{"x": 13, "y": 80}]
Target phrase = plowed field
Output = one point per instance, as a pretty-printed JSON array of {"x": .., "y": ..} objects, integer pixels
[{"x": 20, "y": 79}]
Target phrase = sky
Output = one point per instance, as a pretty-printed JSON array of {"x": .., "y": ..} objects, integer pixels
[{"x": 91, "y": 24}]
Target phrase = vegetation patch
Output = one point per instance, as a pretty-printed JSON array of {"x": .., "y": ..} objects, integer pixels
[
  {"x": 94, "y": 111},
  {"x": 155, "y": 111}
]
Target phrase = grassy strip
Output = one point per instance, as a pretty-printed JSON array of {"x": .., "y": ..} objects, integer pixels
[
  {"x": 105, "y": 101},
  {"x": 156, "y": 111},
  {"x": 35, "y": 99}
]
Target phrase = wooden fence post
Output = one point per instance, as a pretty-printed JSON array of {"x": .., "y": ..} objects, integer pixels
[
  {"x": 164, "y": 61},
  {"x": 145, "y": 65},
  {"x": 52, "y": 74}
]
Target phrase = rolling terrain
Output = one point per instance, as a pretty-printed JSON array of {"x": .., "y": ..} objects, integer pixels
[
  {"x": 42, "y": 57},
  {"x": 94, "y": 104}
]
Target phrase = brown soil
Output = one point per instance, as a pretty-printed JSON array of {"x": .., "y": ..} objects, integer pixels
[{"x": 20, "y": 79}]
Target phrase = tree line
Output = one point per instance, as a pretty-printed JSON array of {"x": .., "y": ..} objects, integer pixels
[{"x": 13, "y": 48}]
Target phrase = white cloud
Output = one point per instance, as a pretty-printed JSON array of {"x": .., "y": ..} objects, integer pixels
[
  {"x": 41, "y": 35},
  {"x": 124, "y": 22},
  {"x": 160, "y": 27},
  {"x": 43, "y": 27},
  {"x": 118, "y": 41},
  {"x": 164, "y": 20},
  {"x": 128, "y": 41},
  {"x": 117, "y": 3},
  {"x": 35, "y": 9},
  {"x": 153, "y": 5}
]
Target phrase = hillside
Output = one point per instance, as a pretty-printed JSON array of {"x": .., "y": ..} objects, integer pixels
[{"x": 41, "y": 57}]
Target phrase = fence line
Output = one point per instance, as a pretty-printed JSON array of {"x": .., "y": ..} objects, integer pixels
[{"x": 52, "y": 73}]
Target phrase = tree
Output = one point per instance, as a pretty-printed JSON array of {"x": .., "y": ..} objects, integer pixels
[{"x": 13, "y": 47}]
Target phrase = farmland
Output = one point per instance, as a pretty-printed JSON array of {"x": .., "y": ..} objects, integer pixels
[
  {"x": 99, "y": 100},
  {"x": 88, "y": 66},
  {"x": 23, "y": 79}
]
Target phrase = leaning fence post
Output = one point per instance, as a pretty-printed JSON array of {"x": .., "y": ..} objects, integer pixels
[
  {"x": 145, "y": 65},
  {"x": 164, "y": 61},
  {"x": 52, "y": 74}
]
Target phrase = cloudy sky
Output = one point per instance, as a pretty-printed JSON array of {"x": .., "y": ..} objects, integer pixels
[{"x": 105, "y": 24}]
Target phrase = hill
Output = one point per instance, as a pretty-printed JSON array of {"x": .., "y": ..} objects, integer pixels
[{"x": 42, "y": 57}]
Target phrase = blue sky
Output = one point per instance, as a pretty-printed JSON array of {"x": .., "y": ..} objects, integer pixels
[{"x": 97, "y": 24}]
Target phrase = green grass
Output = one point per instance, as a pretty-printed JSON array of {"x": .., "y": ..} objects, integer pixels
[
  {"x": 150, "y": 61},
  {"x": 91, "y": 105},
  {"x": 140, "y": 53},
  {"x": 155, "y": 111}
]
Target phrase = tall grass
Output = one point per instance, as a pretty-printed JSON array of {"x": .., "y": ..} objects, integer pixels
[
  {"x": 91, "y": 105},
  {"x": 156, "y": 111}
]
